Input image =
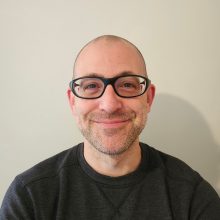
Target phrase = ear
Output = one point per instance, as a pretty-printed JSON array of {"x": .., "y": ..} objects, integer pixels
[
  {"x": 150, "y": 96},
  {"x": 71, "y": 99}
]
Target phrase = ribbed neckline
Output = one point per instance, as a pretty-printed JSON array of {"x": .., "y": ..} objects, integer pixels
[{"x": 126, "y": 180}]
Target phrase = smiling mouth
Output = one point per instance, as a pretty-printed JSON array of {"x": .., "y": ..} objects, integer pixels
[
  {"x": 115, "y": 121},
  {"x": 111, "y": 123}
]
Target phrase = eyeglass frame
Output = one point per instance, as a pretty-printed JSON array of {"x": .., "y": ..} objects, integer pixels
[{"x": 109, "y": 81}]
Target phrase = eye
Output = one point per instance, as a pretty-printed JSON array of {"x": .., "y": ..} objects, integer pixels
[
  {"x": 90, "y": 86},
  {"x": 129, "y": 85}
]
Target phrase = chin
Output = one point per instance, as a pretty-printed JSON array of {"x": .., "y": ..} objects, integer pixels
[
  {"x": 112, "y": 152},
  {"x": 111, "y": 148}
]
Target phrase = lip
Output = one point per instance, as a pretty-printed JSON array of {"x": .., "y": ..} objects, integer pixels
[{"x": 111, "y": 123}]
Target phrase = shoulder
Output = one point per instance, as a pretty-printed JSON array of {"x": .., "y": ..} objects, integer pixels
[
  {"x": 174, "y": 168},
  {"x": 38, "y": 185},
  {"x": 186, "y": 188},
  {"x": 50, "y": 167}
]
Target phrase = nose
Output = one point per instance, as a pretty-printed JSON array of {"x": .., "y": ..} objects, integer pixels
[{"x": 110, "y": 101}]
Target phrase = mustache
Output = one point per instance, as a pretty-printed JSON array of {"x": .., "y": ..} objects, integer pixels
[{"x": 114, "y": 115}]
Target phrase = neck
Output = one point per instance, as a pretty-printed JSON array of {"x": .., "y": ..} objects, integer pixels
[{"x": 117, "y": 165}]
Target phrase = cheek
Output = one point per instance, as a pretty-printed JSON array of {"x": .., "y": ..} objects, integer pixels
[
  {"x": 82, "y": 109},
  {"x": 141, "y": 105},
  {"x": 141, "y": 109}
]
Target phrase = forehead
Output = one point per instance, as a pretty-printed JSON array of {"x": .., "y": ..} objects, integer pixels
[{"x": 109, "y": 58}]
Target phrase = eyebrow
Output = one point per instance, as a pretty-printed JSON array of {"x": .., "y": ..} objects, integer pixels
[{"x": 124, "y": 73}]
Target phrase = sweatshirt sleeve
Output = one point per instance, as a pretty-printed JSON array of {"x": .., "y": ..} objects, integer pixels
[
  {"x": 205, "y": 203},
  {"x": 17, "y": 203}
]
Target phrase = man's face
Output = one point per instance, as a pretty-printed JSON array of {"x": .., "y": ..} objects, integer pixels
[{"x": 110, "y": 123}]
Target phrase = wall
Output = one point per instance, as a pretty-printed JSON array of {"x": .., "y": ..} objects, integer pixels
[{"x": 39, "y": 41}]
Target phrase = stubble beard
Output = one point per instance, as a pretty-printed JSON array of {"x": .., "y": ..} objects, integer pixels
[{"x": 113, "y": 141}]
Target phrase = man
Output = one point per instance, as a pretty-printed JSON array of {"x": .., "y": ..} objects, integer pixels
[{"x": 111, "y": 175}]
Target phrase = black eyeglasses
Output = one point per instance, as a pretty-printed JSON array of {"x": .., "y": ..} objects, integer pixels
[{"x": 127, "y": 86}]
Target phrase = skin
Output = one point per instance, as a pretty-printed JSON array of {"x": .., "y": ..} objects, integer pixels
[{"x": 111, "y": 125}]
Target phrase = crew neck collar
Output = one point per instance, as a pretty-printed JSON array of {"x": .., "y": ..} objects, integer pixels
[{"x": 125, "y": 180}]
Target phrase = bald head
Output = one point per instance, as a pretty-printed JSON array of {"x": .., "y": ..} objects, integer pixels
[{"x": 106, "y": 47}]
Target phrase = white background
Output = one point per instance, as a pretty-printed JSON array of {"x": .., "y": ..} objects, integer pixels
[{"x": 39, "y": 40}]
